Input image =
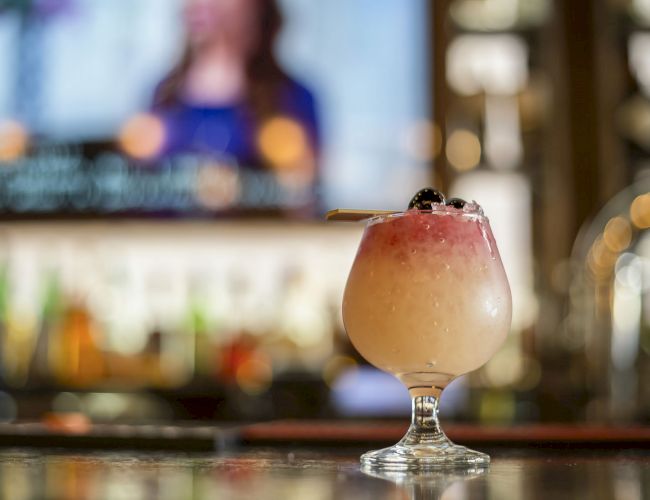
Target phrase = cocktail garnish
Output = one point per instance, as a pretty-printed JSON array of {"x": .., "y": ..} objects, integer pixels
[
  {"x": 353, "y": 215},
  {"x": 425, "y": 198},
  {"x": 456, "y": 203}
]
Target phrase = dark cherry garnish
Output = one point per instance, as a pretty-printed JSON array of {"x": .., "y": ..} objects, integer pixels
[
  {"x": 425, "y": 198},
  {"x": 456, "y": 203}
]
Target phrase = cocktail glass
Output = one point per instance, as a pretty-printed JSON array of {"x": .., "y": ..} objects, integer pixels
[{"x": 427, "y": 300}]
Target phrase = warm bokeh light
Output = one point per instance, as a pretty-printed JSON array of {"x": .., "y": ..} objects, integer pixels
[
  {"x": 497, "y": 406},
  {"x": 217, "y": 186},
  {"x": 640, "y": 211},
  {"x": 283, "y": 142},
  {"x": 142, "y": 136},
  {"x": 254, "y": 375},
  {"x": 422, "y": 140},
  {"x": 601, "y": 259},
  {"x": 499, "y": 15},
  {"x": 463, "y": 150},
  {"x": 491, "y": 64},
  {"x": 617, "y": 234},
  {"x": 13, "y": 140},
  {"x": 505, "y": 368}
]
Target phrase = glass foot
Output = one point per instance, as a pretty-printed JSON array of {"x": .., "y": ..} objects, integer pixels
[
  {"x": 423, "y": 457},
  {"x": 424, "y": 447}
]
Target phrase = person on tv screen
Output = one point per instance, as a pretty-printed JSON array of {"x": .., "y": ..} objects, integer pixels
[{"x": 227, "y": 97}]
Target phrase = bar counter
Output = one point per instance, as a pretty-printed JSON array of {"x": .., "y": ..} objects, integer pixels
[
  {"x": 262, "y": 474},
  {"x": 589, "y": 467}
]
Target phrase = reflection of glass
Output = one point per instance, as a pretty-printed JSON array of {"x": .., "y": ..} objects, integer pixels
[
  {"x": 427, "y": 300},
  {"x": 428, "y": 485}
]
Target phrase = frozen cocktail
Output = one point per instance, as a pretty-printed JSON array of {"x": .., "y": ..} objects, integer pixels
[{"x": 427, "y": 299}]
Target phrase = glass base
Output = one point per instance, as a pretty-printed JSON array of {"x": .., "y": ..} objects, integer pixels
[
  {"x": 424, "y": 447},
  {"x": 423, "y": 457}
]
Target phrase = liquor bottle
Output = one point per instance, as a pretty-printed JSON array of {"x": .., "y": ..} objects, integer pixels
[
  {"x": 50, "y": 316},
  {"x": 197, "y": 324},
  {"x": 4, "y": 285},
  {"x": 76, "y": 359}
]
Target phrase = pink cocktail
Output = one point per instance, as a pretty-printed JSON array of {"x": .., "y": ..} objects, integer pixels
[{"x": 427, "y": 300}]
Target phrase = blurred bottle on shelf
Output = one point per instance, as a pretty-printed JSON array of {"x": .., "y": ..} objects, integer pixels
[
  {"x": 4, "y": 293},
  {"x": 203, "y": 331},
  {"x": 76, "y": 358},
  {"x": 150, "y": 359},
  {"x": 50, "y": 317},
  {"x": 231, "y": 319},
  {"x": 301, "y": 336},
  {"x": 18, "y": 342}
]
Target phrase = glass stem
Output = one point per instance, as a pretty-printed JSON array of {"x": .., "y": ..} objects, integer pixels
[
  {"x": 425, "y": 427},
  {"x": 424, "y": 413}
]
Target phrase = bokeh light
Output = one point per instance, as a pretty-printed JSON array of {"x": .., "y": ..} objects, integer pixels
[
  {"x": 505, "y": 368},
  {"x": 497, "y": 406},
  {"x": 499, "y": 15},
  {"x": 640, "y": 211},
  {"x": 14, "y": 140},
  {"x": 254, "y": 375},
  {"x": 463, "y": 150},
  {"x": 142, "y": 136},
  {"x": 601, "y": 259},
  {"x": 617, "y": 234},
  {"x": 283, "y": 142},
  {"x": 217, "y": 186},
  {"x": 493, "y": 64}
]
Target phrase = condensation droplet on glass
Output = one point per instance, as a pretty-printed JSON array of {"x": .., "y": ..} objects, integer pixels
[
  {"x": 435, "y": 323},
  {"x": 431, "y": 364},
  {"x": 392, "y": 308},
  {"x": 437, "y": 276},
  {"x": 428, "y": 226},
  {"x": 436, "y": 304},
  {"x": 442, "y": 240},
  {"x": 446, "y": 330},
  {"x": 414, "y": 251}
]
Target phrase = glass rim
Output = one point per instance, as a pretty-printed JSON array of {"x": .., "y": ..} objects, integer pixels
[{"x": 443, "y": 210}]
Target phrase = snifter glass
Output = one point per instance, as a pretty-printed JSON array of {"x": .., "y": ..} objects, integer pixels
[{"x": 427, "y": 300}]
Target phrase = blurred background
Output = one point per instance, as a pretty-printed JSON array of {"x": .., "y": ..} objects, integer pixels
[{"x": 165, "y": 166}]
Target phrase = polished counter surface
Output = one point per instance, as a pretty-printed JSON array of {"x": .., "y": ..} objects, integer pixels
[{"x": 299, "y": 474}]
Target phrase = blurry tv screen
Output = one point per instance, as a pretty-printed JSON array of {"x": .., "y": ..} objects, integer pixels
[{"x": 191, "y": 107}]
